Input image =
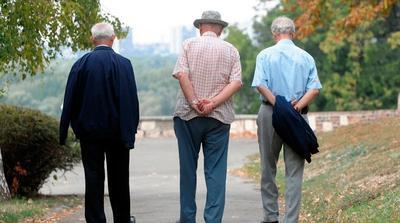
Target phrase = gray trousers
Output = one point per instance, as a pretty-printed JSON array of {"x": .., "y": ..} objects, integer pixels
[{"x": 270, "y": 146}]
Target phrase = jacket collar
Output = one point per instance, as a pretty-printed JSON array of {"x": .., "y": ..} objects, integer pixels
[{"x": 102, "y": 47}]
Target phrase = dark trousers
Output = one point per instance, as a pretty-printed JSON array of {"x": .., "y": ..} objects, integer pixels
[
  {"x": 213, "y": 135},
  {"x": 117, "y": 156}
]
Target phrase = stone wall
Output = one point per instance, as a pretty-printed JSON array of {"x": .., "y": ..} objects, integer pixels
[
  {"x": 245, "y": 125},
  {"x": 155, "y": 126},
  {"x": 327, "y": 121}
]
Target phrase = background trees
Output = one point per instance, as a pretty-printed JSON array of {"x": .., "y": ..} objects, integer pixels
[
  {"x": 245, "y": 98},
  {"x": 359, "y": 36},
  {"x": 45, "y": 91},
  {"x": 32, "y": 32},
  {"x": 356, "y": 45}
]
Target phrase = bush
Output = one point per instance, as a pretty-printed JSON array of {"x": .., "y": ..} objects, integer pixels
[{"x": 30, "y": 149}]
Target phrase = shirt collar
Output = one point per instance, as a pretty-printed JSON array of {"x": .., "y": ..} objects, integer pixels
[
  {"x": 285, "y": 41},
  {"x": 102, "y": 45},
  {"x": 209, "y": 33}
]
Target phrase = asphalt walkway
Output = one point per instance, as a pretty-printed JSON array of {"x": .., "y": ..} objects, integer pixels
[{"x": 154, "y": 183}]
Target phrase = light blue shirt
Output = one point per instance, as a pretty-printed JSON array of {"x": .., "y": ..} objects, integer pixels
[{"x": 286, "y": 70}]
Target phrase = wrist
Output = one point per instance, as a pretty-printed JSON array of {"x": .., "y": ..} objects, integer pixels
[
  {"x": 213, "y": 104},
  {"x": 194, "y": 101},
  {"x": 299, "y": 105}
]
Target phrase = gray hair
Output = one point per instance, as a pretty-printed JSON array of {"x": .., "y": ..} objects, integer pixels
[
  {"x": 283, "y": 24},
  {"x": 102, "y": 30}
]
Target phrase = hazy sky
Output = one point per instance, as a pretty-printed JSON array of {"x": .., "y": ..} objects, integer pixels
[{"x": 154, "y": 20}]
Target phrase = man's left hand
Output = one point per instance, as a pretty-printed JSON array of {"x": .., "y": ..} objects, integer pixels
[{"x": 206, "y": 106}]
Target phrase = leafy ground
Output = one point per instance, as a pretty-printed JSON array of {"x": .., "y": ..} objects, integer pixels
[
  {"x": 354, "y": 178},
  {"x": 41, "y": 209}
]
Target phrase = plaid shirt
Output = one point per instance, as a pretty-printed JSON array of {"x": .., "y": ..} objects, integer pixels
[{"x": 211, "y": 64}]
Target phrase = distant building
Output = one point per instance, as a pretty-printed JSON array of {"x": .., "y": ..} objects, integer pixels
[
  {"x": 178, "y": 35},
  {"x": 126, "y": 46},
  {"x": 129, "y": 48}
]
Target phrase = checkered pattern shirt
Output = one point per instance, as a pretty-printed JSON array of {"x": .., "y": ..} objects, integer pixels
[{"x": 211, "y": 64}]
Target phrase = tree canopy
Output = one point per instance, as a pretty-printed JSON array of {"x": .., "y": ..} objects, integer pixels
[
  {"x": 32, "y": 32},
  {"x": 356, "y": 45}
]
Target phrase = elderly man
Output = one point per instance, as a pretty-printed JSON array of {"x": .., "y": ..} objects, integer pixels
[
  {"x": 283, "y": 69},
  {"x": 102, "y": 106},
  {"x": 209, "y": 73}
]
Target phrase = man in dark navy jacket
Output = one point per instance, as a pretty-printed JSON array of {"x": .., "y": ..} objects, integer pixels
[{"x": 102, "y": 106}]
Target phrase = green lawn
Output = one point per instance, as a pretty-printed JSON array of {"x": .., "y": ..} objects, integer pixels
[
  {"x": 18, "y": 209},
  {"x": 354, "y": 178}
]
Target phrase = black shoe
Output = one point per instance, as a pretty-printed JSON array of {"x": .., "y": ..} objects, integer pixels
[
  {"x": 133, "y": 219},
  {"x": 269, "y": 222}
]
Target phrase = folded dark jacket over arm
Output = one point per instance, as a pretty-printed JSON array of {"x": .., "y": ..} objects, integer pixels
[{"x": 293, "y": 129}]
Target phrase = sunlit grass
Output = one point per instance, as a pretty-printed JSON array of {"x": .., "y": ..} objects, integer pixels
[
  {"x": 18, "y": 209},
  {"x": 354, "y": 178}
]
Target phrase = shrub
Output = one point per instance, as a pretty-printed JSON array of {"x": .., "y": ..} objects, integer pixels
[{"x": 30, "y": 149}]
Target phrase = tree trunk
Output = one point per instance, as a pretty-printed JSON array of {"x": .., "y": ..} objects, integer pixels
[{"x": 4, "y": 191}]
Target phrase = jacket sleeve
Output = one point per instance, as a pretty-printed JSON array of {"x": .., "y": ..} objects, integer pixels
[
  {"x": 129, "y": 105},
  {"x": 67, "y": 107}
]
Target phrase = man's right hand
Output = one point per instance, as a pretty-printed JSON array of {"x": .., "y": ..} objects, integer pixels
[
  {"x": 206, "y": 106},
  {"x": 195, "y": 106},
  {"x": 295, "y": 105}
]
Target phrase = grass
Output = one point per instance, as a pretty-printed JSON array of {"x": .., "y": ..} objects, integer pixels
[
  {"x": 20, "y": 209},
  {"x": 354, "y": 178}
]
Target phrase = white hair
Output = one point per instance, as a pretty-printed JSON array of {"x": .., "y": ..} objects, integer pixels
[
  {"x": 283, "y": 24},
  {"x": 102, "y": 30}
]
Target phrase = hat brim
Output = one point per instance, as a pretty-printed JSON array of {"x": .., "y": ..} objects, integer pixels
[{"x": 197, "y": 22}]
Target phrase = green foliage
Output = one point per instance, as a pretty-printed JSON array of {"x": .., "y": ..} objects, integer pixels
[
  {"x": 45, "y": 91},
  {"x": 34, "y": 32},
  {"x": 2, "y": 92},
  {"x": 30, "y": 149},
  {"x": 156, "y": 87},
  {"x": 246, "y": 100},
  {"x": 357, "y": 72}
]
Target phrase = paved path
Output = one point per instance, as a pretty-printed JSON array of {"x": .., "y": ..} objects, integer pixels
[{"x": 154, "y": 184}]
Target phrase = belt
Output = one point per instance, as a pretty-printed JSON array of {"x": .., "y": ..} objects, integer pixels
[{"x": 303, "y": 111}]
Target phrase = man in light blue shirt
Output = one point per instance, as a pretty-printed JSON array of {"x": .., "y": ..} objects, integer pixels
[{"x": 287, "y": 70}]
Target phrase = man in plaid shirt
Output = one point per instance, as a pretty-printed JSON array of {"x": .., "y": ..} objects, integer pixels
[{"x": 209, "y": 73}]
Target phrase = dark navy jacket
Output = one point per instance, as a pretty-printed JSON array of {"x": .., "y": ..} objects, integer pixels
[
  {"x": 100, "y": 99},
  {"x": 293, "y": 129}
]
